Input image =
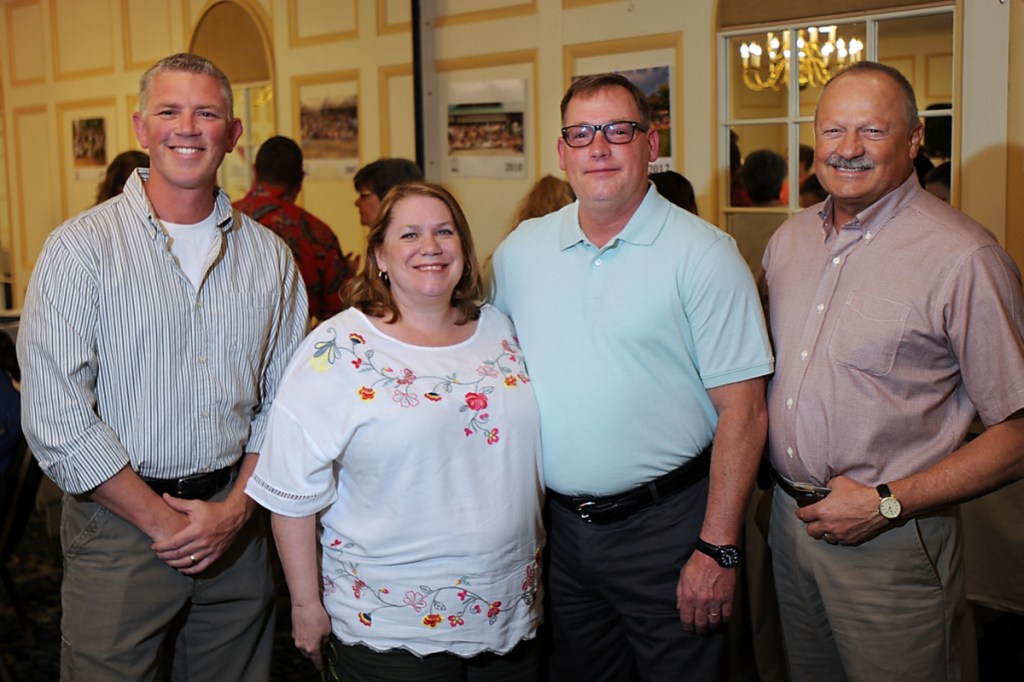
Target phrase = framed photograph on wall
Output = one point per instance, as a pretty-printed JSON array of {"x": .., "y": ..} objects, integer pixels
[
  {"x": 486, "y": 129},
  {"x": 327, "y": 113},
  {"x": 83, "y": 133},
  {"x": 653, "y": 64}
]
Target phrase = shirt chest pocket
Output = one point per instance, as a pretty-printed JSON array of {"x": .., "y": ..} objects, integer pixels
[{"x": 868, "y": 333}]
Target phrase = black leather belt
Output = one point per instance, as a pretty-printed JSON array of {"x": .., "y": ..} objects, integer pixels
[
  {"x": 611, "y": 508},
  {"x": 197, "y": 487},
  {"x": 804, "y": 493}
]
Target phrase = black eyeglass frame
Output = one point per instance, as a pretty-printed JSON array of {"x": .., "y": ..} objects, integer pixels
[{"x": 633, "y": 126}]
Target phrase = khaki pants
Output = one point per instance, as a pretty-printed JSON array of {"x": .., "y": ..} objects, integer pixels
[
  {"x": 890, "y": 608},
  {"x": 123, "y": 608}
]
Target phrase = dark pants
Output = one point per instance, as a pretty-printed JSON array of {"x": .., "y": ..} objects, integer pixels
[
  {"x": 362, "y": 664},
  {"x": 612, "y": 595}
]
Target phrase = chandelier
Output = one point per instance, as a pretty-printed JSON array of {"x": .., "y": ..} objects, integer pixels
[{"x": 820, "y": 55}]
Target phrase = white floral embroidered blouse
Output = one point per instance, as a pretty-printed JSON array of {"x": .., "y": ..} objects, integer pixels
[{"x": 425, "y": 466}]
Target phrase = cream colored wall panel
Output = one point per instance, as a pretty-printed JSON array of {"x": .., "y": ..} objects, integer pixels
[
  {"x": 393, "y": 16},
  {"x": 25, "y": 42},
  {"x": 36, "y": 213},
  {"x": 83, "y": 37},
  {"x": 471, "y": 11},
  {"x": 397, "y": 111},
  {"x": 147, "y": 32},
  {"x": 322, "y": 21}
]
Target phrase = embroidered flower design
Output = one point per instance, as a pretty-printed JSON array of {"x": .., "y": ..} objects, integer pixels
[
  {"x": 366, "y": 619},
  {"x": 415, "y": 600},
  {"x": 357, "y": 363},
  {"x": 455, "y": 620},
  {"x": 357, "y": 589},
  {"x": 356, "y": 339},
  {"x": 432, "y": 397},
  {"x": 476, "y": 401},
  {"x": 494, "y": 610},
  {"x": 468, "y": 431},
  {"x": 511, "y": 381},
  {"x": 407, "y": 377},
  {"x": 405, "y": 398},
  {"x": 367, "y": 394},
  {"x": 462, "y": 595},
  {"x": 492, "y": 436},
  {"x": 329, "y": 586},
  {"x": 487, "y": 371},
  {"x": 335, "y": 543},
  {"x": 528, "y": 583},
  {"x": 431, "y": 620}
]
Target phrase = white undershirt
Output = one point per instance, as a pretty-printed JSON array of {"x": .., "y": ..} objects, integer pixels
[{"x": 195, "y": 246}]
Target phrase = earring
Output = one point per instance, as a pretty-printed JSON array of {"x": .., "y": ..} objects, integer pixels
[{"x": 384, "y": 276}]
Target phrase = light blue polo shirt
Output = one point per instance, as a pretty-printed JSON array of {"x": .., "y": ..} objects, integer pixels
[{"x": 622, "y": 342}]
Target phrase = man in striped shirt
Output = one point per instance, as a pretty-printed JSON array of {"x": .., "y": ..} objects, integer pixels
[{"x": 155, "y": 331}]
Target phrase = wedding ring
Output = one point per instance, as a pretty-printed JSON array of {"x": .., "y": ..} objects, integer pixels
[{"x": 193, "y": 558}]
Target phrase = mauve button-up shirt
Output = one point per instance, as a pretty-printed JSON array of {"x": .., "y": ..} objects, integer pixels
[{"x": 889, "y": 334}]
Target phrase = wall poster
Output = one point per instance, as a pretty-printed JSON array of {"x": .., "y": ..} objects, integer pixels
[{"x": 485, "y": 129}]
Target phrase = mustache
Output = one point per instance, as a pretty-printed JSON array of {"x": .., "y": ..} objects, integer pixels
[{"x": 856, "y": 163}]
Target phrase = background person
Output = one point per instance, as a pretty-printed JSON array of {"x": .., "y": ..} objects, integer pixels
[
  {"x": 118, "y": 172},
  {"x": 645, "y": 339},
  {"x": 375, "y": 179},
  {"x": 271, "y": 202},
  {"x": 896, "y": 319},
  {"x": 407, "y": 425},
  {"x": 676, "y": 188},
  {"x": 155, "y": 329}
]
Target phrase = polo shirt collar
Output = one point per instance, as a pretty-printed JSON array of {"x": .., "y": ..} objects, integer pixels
[{"x": 641, "y": 230}]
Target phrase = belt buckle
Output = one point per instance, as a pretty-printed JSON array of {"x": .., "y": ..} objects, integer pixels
[{"x": 583, "y": 514}]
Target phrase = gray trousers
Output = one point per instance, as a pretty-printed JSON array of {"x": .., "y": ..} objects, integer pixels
[
  {"x": 890, "y": 608},
  {"x": 123, "y": 608}
]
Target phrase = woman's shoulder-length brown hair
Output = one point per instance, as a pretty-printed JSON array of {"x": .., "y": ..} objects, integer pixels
[{"x": 371, "y": 293}]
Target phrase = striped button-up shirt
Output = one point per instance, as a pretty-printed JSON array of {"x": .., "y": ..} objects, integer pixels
[{"x": 125, "y": 362}]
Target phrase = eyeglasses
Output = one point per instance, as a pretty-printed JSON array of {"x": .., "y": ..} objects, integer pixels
[{"x": 616, "y": 132}]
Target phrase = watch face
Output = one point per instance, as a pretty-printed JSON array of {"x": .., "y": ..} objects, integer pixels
[
  {"x": 890, "y": 507},
  {"x": 728, "y": 556}
]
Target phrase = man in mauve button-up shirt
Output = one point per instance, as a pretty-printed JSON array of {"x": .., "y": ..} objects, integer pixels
[{"x": 895, "y": 320}]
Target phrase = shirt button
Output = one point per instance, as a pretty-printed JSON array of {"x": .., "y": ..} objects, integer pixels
[
  {"x": 205, "y": 413},
  {"x": 836, "y": 260},
  {"x": 202, "y": 359},
  {"x": 867, "y": 236},
  {"x": 789, "y": 451},
  {"x": 597, "y": 262},
  {"x": 821, "y": 307},
  {"x": 789, "y": 403},
  {"x": 803, "y": 355}
]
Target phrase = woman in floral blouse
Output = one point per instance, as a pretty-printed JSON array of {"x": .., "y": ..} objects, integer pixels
[{"x": 407, "y": 427}]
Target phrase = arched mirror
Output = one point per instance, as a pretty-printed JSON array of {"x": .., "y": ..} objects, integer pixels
[{"x": 234, "y": 36}]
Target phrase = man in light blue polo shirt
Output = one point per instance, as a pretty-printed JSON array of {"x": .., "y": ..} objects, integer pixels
[{"x": 644, "y": 337}]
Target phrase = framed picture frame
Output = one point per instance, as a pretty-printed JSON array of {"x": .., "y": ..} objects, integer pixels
[
  {"x": 84, "y": 132},
  {"x": 326, "y": 113},
  {"x": 652, "y": 62}
]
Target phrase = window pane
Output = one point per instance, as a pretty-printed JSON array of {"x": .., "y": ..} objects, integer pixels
[
  {"x": 922, "y": 49},
  {"x": 762, "y": 139},
  {"x": 757, "y": 91},
  {"x": 828, "y": 49}
]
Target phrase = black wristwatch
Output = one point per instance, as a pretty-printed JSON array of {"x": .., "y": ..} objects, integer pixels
[{"x": 726, "y": 556}]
